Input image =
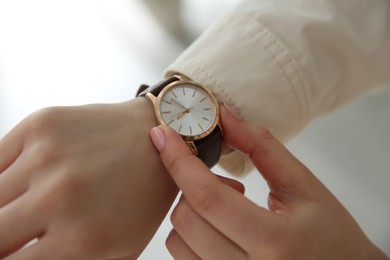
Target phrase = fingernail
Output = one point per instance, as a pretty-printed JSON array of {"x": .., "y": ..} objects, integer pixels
[
  {"x": 233, "y": 112},
  {"x": 158, "y": 137}
]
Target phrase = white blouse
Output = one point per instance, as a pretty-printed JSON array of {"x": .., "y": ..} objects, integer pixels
[{"x": 280, "y": 64}]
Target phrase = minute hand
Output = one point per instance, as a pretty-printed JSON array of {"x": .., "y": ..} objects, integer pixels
[{"x": 178, "y": 103}]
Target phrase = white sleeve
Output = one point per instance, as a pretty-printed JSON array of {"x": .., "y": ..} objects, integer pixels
[{"x": 279, "y": 64}]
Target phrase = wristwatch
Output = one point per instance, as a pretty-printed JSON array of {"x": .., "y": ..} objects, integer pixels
[{"x": 191, "y": 110}]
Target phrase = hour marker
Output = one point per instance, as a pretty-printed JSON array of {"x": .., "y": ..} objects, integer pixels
[
  {"x": 205, "y": 118},
  {"x": 166, "y": 112},
  {"x": 168, "y": 102},
  {"x": 174, "y": 94},
  {"x": 207, "y": 109},
  {"x": 184, "y": 91},
  {"x": 203, "y": 99},
  {"x": 193, "y": 94},
  {"x": 170, "y": 122},
  {"x": 190, "y": 130},
  {"x": 179, "y": 128},
  {"x": 200, "y": 127}
]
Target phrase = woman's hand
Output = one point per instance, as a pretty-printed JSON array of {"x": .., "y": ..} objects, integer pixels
[
  {"x": 214, "y": 221},
  {"x": 86, "y": 181}
]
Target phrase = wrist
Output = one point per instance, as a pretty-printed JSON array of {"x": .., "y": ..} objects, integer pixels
[
  {"x": 158, "y": 189},
  {"x": 141, "y": 110}
]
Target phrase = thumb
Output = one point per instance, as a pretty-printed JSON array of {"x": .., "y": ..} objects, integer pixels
[{"x": 287, "y": 178}]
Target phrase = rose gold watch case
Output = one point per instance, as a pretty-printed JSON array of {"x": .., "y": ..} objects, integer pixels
[{"x": 184, "y": 81}]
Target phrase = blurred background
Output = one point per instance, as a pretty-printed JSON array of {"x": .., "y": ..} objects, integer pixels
[{"x": 98, "y": 51}]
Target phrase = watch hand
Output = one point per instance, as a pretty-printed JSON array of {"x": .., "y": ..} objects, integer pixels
[
  {"x": 181, "y": 115},
  {"x": 177, "y": 103},
  {"x": 182, "y": 112}
]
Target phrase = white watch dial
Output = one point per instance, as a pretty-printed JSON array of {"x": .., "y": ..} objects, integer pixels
[{"x": 188, "y": 109}]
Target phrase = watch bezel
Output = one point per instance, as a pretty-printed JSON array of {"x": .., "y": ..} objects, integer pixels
[{"x": 157, "y": 100}]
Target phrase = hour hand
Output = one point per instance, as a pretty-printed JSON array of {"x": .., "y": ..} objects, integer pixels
[{"x": 181, "y": 114}]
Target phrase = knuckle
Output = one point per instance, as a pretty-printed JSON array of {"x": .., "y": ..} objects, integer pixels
[
  {"x": 43, "y": 137},
  {"x": 205, "y": 198},
  {"x": 177, "y": 163},
  {"x": 173, "y": 163},
  {"x": 43, "y": 129},
  {"x": 43, "y": 152},
  {"x": 43, "y": 118}
]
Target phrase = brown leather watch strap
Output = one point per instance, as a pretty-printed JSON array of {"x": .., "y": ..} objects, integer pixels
[
  {"x": 209, "y": 148},
  {"x": 156, "y": 88}
]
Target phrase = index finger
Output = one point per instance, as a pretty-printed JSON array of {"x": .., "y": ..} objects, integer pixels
[
  {"x": 11, "y": 145},
  {"x": 223, "y": 207}
]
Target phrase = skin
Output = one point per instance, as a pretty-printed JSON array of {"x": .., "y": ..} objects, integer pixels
[
  {"x": 85, "y": 180},
  {"x": 215, "y": 221}
]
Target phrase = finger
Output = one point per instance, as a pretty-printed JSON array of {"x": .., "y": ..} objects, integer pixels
[
  {"x": 178, "y": 248},
  {"x": 13, "y": 181},
  {"x": 19, "y": 224},
  {"x": 238, "y": 186},
  {"x": 11, "y": 146},
  {"x": 287, "y": 177},
  {"x": 220, "y": 205},
  {"x": 203, "y": 239}
]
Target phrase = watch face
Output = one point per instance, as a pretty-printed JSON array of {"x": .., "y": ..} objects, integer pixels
[{"x": 189, "y": 109}]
